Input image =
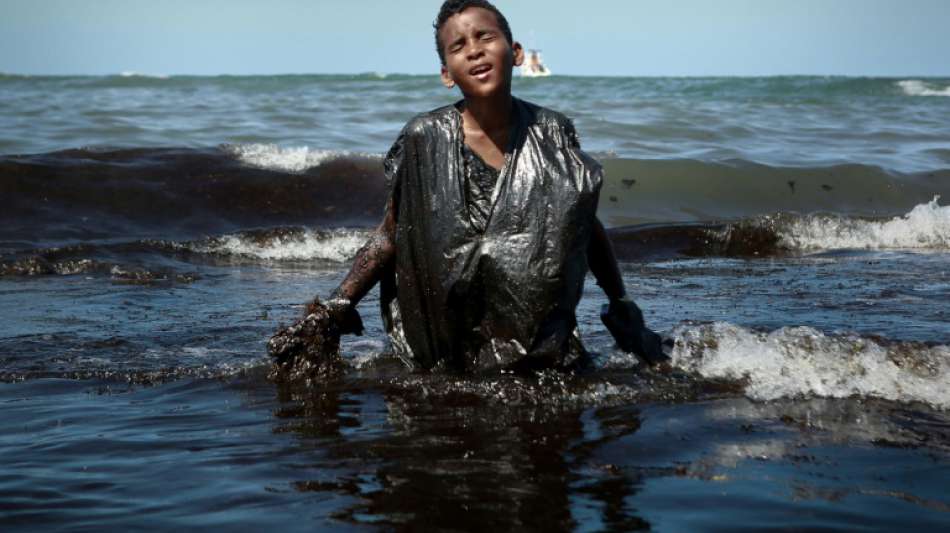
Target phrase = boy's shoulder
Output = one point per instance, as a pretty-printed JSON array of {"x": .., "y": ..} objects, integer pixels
[{"x": 430, "y": 121}]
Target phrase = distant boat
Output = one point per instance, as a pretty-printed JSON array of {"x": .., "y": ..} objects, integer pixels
[{"x": 533, "y": 66}]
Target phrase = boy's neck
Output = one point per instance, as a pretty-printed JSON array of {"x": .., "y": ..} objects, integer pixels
[{"x": 491, "y": 116}]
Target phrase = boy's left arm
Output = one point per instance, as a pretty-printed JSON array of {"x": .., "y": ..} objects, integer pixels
[
  {"x": 603, "y": 263},
  {"x": 621, "y": 315}
]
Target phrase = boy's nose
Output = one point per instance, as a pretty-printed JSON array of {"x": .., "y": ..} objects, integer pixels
[{"x": 474, "y": 51}]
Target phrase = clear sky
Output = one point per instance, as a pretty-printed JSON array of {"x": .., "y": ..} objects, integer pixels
[{"x": 586, "y": 37}]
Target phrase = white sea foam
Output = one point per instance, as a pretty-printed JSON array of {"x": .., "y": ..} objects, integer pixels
[
  {"x": 926, "y": 226},
  {"x": 363, "y": 352},
  {"x": 922, "y": 88},
  {"x": 803, "y": 362},
  {"x": 292, "y": 159},
  {"x": 336, "y": 245},
  {"x": 133, "y": 74}
]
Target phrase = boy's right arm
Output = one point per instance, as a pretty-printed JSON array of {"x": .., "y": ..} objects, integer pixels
[
  {"x": 315, "y": 337},
  {"x": 368, "y": 266}
]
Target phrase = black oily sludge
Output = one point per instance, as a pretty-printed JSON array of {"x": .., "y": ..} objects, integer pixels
[
  {"x": 177, "y": 192},
  {"x": 185, "y": 193},
  {"x": 148, "y": 260},
  {"x": 757, "y": 237},
  {"x": 122, "y": 262},
  {"x": 652, "y": 242},
  {"x": 314, "y": 247}
]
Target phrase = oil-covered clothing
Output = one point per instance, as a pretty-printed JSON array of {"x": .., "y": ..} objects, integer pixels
[{"x": 497, "y": 284}]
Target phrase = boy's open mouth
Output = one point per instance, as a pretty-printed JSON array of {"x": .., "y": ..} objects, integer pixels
[{"x": 479, "y": 70}]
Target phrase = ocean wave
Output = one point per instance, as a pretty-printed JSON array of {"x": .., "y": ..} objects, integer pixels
[
  {"x": 693, "y": 208},
  {"x": 926, "y": 226},
  {"x": 286, "y": 244},
  {"x": 639, "y": 190},
  {"x": 57, "y": 262},
  {"x": 922, "y": 88},
  {"x": 794, "y": 362},
  {"x": 709, "y": 360},
  {"x": 123, "y": 261},
  {"x": 38, "y": 265},
  {"x": 134, "y": 74},
  {"x": 180, "y": 193},
  {"x": 290, "y": 159},
  {"x": 723, "y": 359}
]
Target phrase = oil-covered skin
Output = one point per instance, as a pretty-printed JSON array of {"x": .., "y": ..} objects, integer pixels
[{"x": 372, "y": 259}]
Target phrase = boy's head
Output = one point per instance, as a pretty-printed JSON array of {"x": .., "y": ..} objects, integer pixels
[
  {"x": 454, "y": 7},
  {"x": 476, "y": 48}
]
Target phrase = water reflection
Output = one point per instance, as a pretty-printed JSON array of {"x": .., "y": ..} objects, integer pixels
[
  {"x": 422, "y": 453},
  {"x": 436, "y": 452}
]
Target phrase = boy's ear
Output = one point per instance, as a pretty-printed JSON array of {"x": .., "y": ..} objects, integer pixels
[
  {"x": 518, "y": 53},
  {"x": 447, "y": 78}
]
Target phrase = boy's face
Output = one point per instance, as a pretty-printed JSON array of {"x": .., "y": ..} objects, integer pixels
[{"x": 478, "y": 57}]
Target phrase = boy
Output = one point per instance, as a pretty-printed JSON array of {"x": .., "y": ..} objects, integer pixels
[{"x": 490, "y": 226}]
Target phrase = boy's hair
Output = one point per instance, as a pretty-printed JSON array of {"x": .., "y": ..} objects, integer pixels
[{"x": 454, "y": 7}]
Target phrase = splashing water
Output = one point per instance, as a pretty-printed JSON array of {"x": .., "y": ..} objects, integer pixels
[
  {"x": 925, "y": 226},
  {"x": 796, "y": 362}
]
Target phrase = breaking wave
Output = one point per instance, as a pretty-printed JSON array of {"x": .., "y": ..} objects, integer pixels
[
  {"x": 709, "y": 360},
  {"x": 795, "y": 362},
  {"x": 123, "y": 260},
  {"x": 926, "y": 226},
  {"x": 134, "y": 74},
  {"x": 287, "y": 244},
  {"x": 292, "y": 159},
  {"x": 657, "y": 209},
  {"x": 922, "y": 88}
]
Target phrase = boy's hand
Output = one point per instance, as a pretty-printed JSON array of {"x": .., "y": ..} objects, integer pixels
[
  {"x": 309, "y": 349},
  {"x": 314, "y": 334},
  {"x": 624, "y": 320},
  {"x": 344, "y": 316}
]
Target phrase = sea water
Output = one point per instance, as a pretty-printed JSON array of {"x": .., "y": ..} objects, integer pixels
[{"x": 791, "y": 234}]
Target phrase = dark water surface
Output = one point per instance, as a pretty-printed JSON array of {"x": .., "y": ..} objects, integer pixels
[
  {"x": 789, "y": 233},
  {"x": 173, "y": 423},
  {"x": 242, "y": 454}
]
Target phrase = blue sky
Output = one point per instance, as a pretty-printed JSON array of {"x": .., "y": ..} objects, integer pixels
[{"x": 591, "y": 37}]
